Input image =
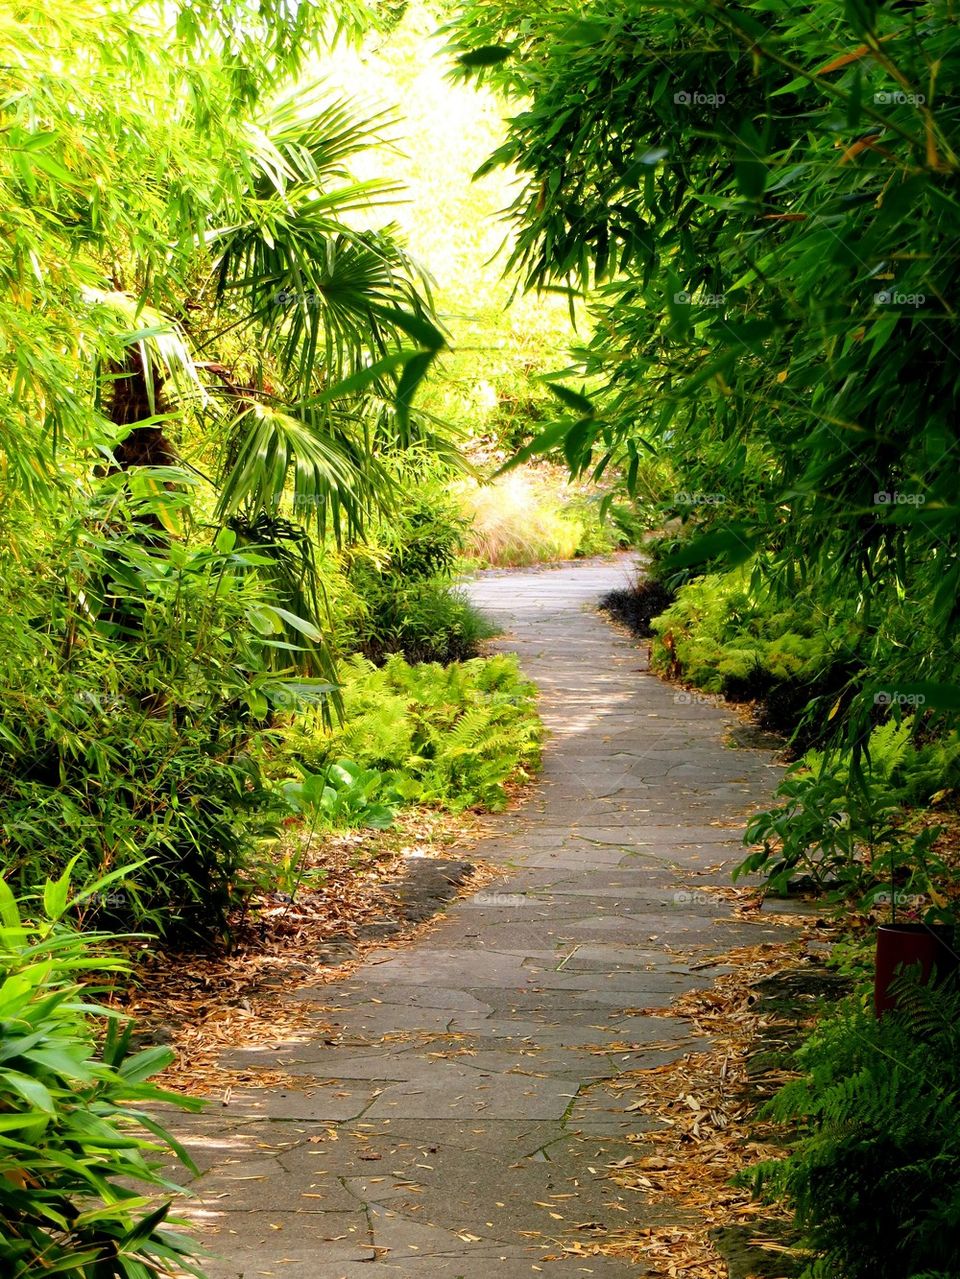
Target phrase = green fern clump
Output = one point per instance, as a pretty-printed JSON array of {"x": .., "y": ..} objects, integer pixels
[
  {"x": 378, "y": 730},
  {"x": 727, "y": 634},
  {"x": 927, "y": 768},
  {"x": 500, "y": 674},
  {"x": 792, "y": 656},
  {"x": 910, "y": 772},
  {"x": 487, "y": 745},
  {"x": 842, "y": 820},
  {"x": 874, "y": 1176},
  {"x": 451, "y": 736},
  {"x": 732, "y": 664}
]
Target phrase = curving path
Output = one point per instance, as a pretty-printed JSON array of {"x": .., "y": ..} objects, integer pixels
[{"x": 457, "y": 1125}]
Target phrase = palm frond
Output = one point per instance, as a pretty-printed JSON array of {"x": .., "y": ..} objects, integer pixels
[
  {"x": 323, "y": 294},
  {"x": 314, "y": 135},
  {"x": 330, "y": 475}
]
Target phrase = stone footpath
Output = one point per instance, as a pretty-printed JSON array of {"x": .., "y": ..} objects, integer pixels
[{"x": 456, "y": 1125}]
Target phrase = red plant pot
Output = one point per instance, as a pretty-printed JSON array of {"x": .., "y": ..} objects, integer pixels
[{"x": 906, "y": 945}]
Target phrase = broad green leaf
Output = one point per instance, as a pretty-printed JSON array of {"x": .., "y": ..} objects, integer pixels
[
  {"x": 9, "y": 912},
  {"x": 572, "y": 399},
  {"x": 298, "y": 623},
  {"x": 31, "y": 1090},
  {"x": 56, "y": 892},
  {"x": 488, "y": 55}
]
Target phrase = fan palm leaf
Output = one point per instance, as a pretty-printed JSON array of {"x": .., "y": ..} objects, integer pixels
[
  {"x": 273, "y": 446},
  {"x": 324, "y": 295}
]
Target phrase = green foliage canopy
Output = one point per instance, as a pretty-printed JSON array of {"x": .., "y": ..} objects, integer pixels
[
  {"x": 160, "y": 192},
  {"x": 764, "y": 200}
]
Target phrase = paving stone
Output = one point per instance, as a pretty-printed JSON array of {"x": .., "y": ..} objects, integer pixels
[
  {"x": 365, "y": 1021},
  {"x": 239, "y": 1190},
  {"x": 479, "y": 1264},
  {"x": 277, "y": 1243},
  {"x": 425, "y": 966},
  {"x": 465, "y": 1094},
  {"x": 319, "y": 1104}
]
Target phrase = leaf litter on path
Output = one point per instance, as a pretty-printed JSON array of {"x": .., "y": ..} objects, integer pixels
[
  {"x": 203, "y": 1004},
  {"x": 706, "y": 1103}
]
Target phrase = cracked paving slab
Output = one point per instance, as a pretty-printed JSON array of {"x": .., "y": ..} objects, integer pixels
[{"x": 456, "y": 1122}]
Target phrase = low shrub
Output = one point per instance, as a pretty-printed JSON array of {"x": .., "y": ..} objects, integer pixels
[
  {"x": 424, "y": 621},
  {"x": 637, "y": 606},
  {"x": 130, "y": 734},
  {"x": 724, "y": 634},
  {"x": 80, "y": 1156},
  {"x": 730, "y": 634},
  {"x": 344, "y": 795},
  {"x": 402, "y": 581},
  {"x": 841, "y": 822},
  {"x": 529, "y": 517}
]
